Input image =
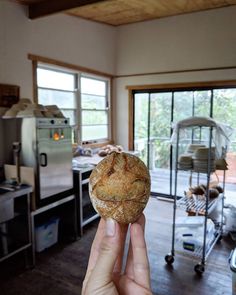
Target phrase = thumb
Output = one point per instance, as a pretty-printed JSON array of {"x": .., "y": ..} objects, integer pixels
[{"x": 109, "y": 251}]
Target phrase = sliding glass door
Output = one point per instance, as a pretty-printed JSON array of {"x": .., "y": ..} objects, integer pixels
[
  {"x": 141, "y": 125},
  {"x": 224, "y": 110},
  {"x": 159, "y": 147},
  {"x": 152, "y": 113},
  {"x": 155, "y": 113}
]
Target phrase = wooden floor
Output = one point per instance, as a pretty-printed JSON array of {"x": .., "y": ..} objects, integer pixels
[{"x": 60, "y": 270}]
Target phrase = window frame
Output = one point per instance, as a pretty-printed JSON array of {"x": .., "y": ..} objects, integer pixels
[
  {"x": 40, "y": 62},
  {"x": 172, "y": 89},
  {"x": 108, "y": 108},
  {"x": 208, "y": 85}
]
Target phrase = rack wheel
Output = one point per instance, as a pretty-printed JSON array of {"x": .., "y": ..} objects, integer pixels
[
  {"x": 199, "y": 268},
  {"x": 169, "y": 259}
]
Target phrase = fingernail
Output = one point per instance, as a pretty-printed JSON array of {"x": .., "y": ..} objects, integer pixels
[{"x": 110, "y": 227}]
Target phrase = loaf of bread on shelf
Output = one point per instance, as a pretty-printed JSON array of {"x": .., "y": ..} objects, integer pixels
[
  {"x": 119, "y": 187},
  {"x": 213, "y": 193},
  {"x": 201, "y": 190},
  {"x": 197, "y": 190},
  {"x": 219, "y": 188}
]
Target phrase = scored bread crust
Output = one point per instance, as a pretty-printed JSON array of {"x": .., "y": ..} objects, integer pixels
[{"x": 119, "y": 187}]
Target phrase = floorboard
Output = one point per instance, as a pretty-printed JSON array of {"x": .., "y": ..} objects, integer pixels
[{"x": 60, "y": 269}]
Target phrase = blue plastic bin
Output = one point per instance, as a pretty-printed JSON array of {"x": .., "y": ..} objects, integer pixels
[{"x": 46, "y": 234}]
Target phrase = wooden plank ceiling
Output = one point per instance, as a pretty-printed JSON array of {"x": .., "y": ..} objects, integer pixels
[{"x": 119, "y": 12}]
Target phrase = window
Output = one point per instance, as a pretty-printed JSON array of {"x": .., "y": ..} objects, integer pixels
[
  {"x": 94, "y": 109},
  {"x": 58, "y": 88},
  {"x": 155, "y": 111},
  {"x": 81, "y": 97}
]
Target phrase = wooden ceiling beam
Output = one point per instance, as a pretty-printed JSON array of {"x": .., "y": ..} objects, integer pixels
[{"x": 43, "y": 8}]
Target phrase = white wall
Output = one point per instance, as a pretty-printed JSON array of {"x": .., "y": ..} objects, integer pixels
[
  {"x": 60, "y": 37},
  {"x": 196, "y": 40},
  {"x": 199, "y": 40},
  {"x": 65, "y": 38}
]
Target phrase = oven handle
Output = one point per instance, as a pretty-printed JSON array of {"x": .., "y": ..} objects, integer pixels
[{"x": 43, "y": 160}]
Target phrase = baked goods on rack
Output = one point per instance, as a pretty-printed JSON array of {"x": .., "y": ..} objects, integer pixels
[
  {"x": 108, "y": 149},
  {"x": 201, "y": 191}
]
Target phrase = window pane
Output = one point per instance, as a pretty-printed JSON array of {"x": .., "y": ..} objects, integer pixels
[
  {"x": 92, "y": 86},
  {"x": 141, "y": 101},
  {"x": 93, "y": 102},
  {"x": 94, "y": 132},
  {"x": 159, "y": 147},
  {"x": 224, "y": 111},
  {"x": 54, "y": 79},
  {"x": 224, "y": 106},
  {"x": 202, "y": 101},
  {"x": 61, "y": 98},
  {"x": 94, "y": 117},
  {"x": 160, "y": 115},
  {"x": 183, "y": 108},
  {"x": 183, "y": 105}
]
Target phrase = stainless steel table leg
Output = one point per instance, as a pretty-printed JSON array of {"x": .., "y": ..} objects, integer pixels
[{"x": 3, "y": 229}]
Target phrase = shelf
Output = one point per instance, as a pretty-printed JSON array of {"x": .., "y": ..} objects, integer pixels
[
  {"x": 86, "y": 200},
  {"x": 200, "y": 243},
  {"x": 29, "y": 245},
  {"x": 191, "y": 204},
  {"x": 198, "y": 251},
  {"x": 200, "y": 171},
  {"x": 15, "y": 235},
  {"x": 90, "y": 219},
  {"x": 85, "y": 210},
  {"x": 53, "y": 205},
  {"x": 85, "y": 181}
]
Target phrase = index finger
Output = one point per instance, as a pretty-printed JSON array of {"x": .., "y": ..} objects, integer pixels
[
  {"x": 118, "y": 265},
  {"x": 141, "y": 268},
  {"x": 129, "y": 270},
  {"x": 96, "y": 245}
]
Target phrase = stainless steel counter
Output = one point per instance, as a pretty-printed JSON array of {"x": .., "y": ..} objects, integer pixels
[
  {"x": 15, "y": 217},
  {"x": 23, "y": 190}
]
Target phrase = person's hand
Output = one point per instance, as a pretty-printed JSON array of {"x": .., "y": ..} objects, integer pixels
[{"x": 104, "y": 275}]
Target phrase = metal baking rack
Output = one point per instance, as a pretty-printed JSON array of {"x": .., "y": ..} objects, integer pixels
[{"x": 197, "y": 205}]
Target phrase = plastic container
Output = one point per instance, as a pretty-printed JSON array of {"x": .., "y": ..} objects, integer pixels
[
  {"x": 46, "y": 235},
  {"x": 215, "y": 214},
  {"x": 190, "y": 221},
  {"x": 230, "y": 218},
  {"x": 6, "y": 210},
  {"x": 232, "y": 261},
  {"x": 191, "y": 237}
]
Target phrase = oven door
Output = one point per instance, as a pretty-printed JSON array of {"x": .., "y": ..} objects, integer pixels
[{"x": 54, "y": 161}]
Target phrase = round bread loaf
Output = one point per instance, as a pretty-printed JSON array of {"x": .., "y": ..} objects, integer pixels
[
  {"x": 213, "y": 193},
  {"x": 119, "y": 187}
]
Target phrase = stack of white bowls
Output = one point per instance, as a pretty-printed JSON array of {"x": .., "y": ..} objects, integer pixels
[
  {"x": 201, "y": 159},
  {"x": 193, "y": 147},
  {"x": 185, "y": 162}
]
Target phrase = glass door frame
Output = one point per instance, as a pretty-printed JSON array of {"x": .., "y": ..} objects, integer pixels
[{"x": 204, "y": 86}]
